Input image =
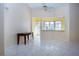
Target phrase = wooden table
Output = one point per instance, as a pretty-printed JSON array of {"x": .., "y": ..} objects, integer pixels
[{"x": 23, "y": 34}]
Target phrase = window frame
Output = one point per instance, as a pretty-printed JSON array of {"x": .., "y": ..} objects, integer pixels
[{"x": 43, "y": 24}]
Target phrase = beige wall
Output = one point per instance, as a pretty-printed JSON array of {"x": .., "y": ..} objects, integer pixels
[
  {"x": 1, "y": 29},
  {"x": 39, "y": 12},
  {"x": 17, "y": 19},
  {"x": 74, "y": 22},
  {"x": 49, "y": 36}
]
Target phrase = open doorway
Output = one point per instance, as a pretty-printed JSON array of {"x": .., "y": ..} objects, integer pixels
[{"x": 36, "y": 31}]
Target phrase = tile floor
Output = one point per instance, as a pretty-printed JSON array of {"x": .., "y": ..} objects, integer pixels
[{"x": 54, "y": 49}]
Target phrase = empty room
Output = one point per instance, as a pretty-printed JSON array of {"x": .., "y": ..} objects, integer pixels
[{"x": 39, "y": 29}]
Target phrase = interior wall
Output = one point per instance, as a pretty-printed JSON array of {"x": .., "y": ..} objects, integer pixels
[
  {"x": 17, "y": 19},
  {"x": 49, "y": 36},
  {"x": 1, "y": 29},
  {"x": 74, "y": 22},
  {"x": 39, "y": 12}
]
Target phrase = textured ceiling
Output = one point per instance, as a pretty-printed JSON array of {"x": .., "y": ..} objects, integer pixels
[{"x": 49, "y": 5}]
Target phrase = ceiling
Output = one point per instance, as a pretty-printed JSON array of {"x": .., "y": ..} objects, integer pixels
[{"x": 49, "y": 5}]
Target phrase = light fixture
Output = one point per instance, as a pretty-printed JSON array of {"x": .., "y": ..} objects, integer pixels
[{"x": 45, "y": 7}]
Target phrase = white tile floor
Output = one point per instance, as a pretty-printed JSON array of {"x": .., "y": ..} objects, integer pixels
[{"x": 54, "y": 49}]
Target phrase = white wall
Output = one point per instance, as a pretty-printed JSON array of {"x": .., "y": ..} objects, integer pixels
[
  {"x": 49, "y": 36},
  {"x": 67, "y": 21},
  {"x": 17, "y": 19},
  {"x": 1, "y": 29},
  {"x": 74, "y": 22},
  {"x": 39, "y": 12}
]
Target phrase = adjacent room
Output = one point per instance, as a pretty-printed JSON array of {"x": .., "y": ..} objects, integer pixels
[{"x": 39, "y": 29}]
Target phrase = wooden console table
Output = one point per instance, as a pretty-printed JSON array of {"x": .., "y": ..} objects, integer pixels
[{"x": 23, "y": 34}]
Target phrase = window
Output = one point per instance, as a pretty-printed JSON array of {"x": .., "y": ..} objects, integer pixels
[
  {"x": 51, "y": 25},
  {"x": 43, "y": 26},
  {"x": 54, "y": 25},
  {"x": 47, "y": 26},
  {"x": 47, "y": 23},
  {"x": 58, "y": 25}
]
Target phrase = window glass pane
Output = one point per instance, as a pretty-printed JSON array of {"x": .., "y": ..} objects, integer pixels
[
  {"x": 58, "y": 25},
  {"x": 47, "y": 27},
  {"x": 43, "y": 25},
  {"x": 51, "y": 25}
]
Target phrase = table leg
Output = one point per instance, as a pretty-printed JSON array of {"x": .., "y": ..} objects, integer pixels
[
  {"x": 18, "y": 39},
  {"x": 25, "y": 40},
  {"x": 28, "y": 37},
  {"x": 32, "y": 36}
]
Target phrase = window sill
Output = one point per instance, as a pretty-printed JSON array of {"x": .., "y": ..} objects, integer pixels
[{"x": 55, "y": 30}]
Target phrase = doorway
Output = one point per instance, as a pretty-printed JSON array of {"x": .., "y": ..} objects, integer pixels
[{"x": 36, "y": 31}]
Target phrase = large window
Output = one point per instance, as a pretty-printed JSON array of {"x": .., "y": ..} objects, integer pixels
[
  {"x": 53, "y": 25},
  {"x": 50, "y": 23},
  {"x": 47, "y": 25}
]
